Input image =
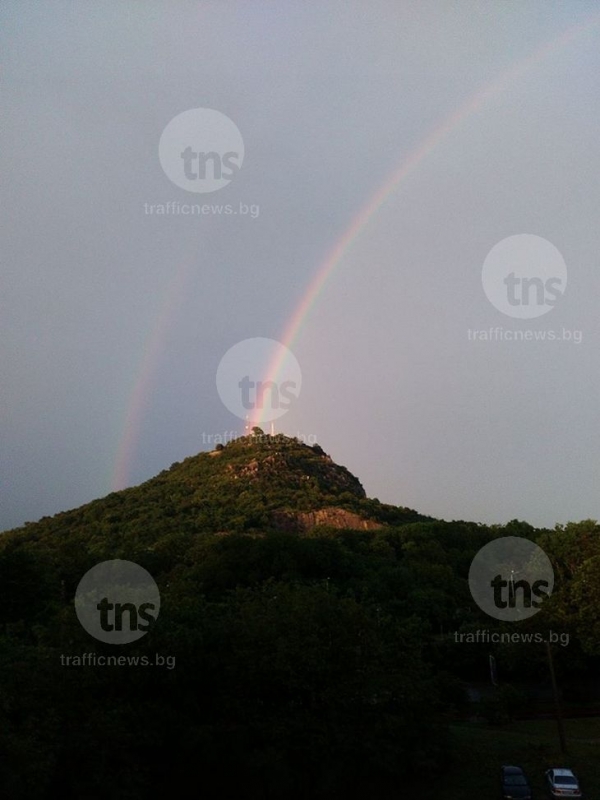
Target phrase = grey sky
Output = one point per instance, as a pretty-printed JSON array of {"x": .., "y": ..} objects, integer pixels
[{"x": 329, "y": 98}]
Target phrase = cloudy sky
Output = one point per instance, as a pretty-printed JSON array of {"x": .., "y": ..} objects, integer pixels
[{"x": 414, "y": 137}]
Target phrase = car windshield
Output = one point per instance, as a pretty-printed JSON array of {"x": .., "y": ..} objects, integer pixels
[
  {"x": 515, "y": 780},
  {"x": 565, "y": 780}
]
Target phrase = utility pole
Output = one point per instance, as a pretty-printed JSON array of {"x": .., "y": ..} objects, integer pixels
[
  {"x": 493, "y": 671},
  {"x": 559, "y": 719}
]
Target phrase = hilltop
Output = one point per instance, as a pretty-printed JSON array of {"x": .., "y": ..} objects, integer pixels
[{"x": 255, "y": 484}]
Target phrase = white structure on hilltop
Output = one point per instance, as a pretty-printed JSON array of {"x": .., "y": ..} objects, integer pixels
[{"x": 248, "y": 425}]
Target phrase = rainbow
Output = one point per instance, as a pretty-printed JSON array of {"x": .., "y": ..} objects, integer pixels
[
  {"x": 334, "y": 258},
  {"x": 407, "y": 166},
  {"x": 143, "y": 380}
]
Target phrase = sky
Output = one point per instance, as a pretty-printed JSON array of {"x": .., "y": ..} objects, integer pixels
[{"x": 384, "y": 153}]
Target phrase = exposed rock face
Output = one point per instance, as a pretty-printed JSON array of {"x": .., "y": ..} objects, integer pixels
[
  {"x": 334, "y": 517},
  {"x": 337, "y": 518},
  {"x": 293, "y": 468}
]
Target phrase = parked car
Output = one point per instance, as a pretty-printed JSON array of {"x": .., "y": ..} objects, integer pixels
[
  {"x": 515, "y": 785},
  {"x": 562, "y": 783}
]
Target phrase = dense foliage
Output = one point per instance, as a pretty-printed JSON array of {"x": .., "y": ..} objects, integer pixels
[{"x": 314, "y": 664}]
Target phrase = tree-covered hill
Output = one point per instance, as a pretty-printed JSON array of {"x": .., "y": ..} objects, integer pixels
[
  {"x": 255, "y": 484},
  {"x": 305, "y": 646}
]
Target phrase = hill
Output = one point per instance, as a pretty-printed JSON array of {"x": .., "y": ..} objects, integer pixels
[
  {"x": 255, "y": 484},
  {"x": 304, "y": 646}
]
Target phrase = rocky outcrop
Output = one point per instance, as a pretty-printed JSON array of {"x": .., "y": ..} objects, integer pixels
[{"x": 333, "y": 517}]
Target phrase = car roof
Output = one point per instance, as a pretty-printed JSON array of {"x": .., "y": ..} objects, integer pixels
[
  {"x": 512, "y": 770},
  {"x": 562, "y": 771}
]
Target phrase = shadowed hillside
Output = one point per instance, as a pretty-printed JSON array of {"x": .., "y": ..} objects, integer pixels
[{"x": 305, "y": 645}]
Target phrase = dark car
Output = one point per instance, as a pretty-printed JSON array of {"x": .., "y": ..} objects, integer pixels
[{"x": 515, "y": 785}]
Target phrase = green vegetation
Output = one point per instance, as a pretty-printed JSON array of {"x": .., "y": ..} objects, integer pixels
[{"x": 313, "y": 632}]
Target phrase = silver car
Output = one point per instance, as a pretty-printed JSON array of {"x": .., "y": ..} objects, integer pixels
[{"x": 562, "y": 783}]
